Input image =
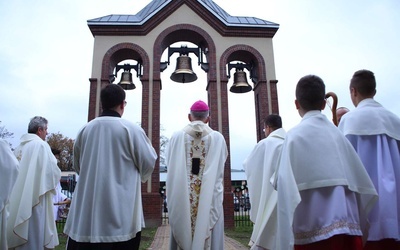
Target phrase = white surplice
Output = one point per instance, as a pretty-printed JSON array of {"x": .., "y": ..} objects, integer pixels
[
  {"x": 259, "y": 166},
  {"x": 9, "y": 172},
  {"x": 31, "y": 223},
  {"x": 113, "y": 156},
  {"x": 209, "y": 214},
  {"x": 316, "y": 155},
  {"x": 374, "y": 132}
]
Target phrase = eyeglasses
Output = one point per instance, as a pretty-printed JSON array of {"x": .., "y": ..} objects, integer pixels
[{"x": 125, "y": 103}]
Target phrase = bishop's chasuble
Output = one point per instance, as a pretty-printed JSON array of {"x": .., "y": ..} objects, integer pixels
[{"x": 195, "y": 196}]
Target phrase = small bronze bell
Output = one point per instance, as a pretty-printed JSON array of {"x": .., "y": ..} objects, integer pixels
[
  {"x": 183, "y": 72},
  {"x": 126, "y": 81},
  {"x": 240, "y": 84}
]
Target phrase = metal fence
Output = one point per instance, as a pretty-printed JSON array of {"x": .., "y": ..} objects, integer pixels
[
  {"x": 241, "y": 203},
  {"x": 242, "y": 206}
]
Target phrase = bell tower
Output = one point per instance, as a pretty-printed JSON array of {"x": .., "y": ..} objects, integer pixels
[{"x": 223, "y": 43}]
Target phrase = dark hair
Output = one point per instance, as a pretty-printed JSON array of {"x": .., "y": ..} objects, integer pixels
[
  {"x": 274, "y": 121},
  {"x": 310, "y": 92},
  {"x": 364, "y": 82},
  {"x": 111, "y": 96}
]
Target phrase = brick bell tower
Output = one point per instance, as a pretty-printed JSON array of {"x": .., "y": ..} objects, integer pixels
[{"x": 222, "y": 39}]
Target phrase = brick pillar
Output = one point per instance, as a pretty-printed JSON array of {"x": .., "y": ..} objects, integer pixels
[
  {"x": 274, "y": 96},
  {"x": 152, "y": 202},
  {"x": 92, "y": 98},
  {"x": 261, "y": 105},
  {"x": 214, "y": 124}
]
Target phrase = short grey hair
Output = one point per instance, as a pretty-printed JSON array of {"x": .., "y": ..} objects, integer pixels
[
  {"x": 36, "y": 123},
  {"x": 200, "y": 115}
]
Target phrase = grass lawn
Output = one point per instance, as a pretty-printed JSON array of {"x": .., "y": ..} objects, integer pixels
[
  {"x": 147, "y": 238},
  {"x": 241, "y": 234}
]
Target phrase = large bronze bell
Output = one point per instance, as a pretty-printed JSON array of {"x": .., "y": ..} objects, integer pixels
[
  {"x": 183, "y": 72},
  {"x": 240, "y": 84},
  {"x": 126, "y": 81}
]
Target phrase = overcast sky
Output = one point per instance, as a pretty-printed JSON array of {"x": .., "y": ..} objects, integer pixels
[{"x": 46, "y": 51}]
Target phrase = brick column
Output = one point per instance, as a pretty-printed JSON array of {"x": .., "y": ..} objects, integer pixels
[
  {"x": 92, "y": 98},
  {"x": 214, "y": 124},
  {"x": 152, "y": 202},
  {"x": 261, "y": 105}
]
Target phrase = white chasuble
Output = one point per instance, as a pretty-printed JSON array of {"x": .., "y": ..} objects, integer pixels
[
  {"x": 9, "y": 171},
  {"x": 195, "y": 199},
  {"x": 31, "y": 224}
]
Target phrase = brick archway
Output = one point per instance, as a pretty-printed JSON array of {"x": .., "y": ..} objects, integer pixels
[
  {"x": 264, "y": 92},
  {"x": 112, "y": 57}
]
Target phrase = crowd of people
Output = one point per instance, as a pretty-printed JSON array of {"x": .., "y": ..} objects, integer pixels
[{"x": 316, "y": 186}]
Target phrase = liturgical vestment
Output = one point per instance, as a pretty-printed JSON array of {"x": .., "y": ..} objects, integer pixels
[
  {"x": 260, "y": 166},
  {"x": 31, "y": 224},
  {"x": 318, "y": 159},
  {"x": 8, "y": 176},
  {"x": 195, "y": 200},
  {"x": 113, "y": 156},
  {"x": 374, "y": 132}
]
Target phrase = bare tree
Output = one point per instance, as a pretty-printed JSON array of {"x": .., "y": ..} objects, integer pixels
[
  {"x": 163, "y": 145},
  {"x": 63, "y": 148},
  {"x": 5, "y": 134}
]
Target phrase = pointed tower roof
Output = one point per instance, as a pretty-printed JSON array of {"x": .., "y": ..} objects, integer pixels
[{"x": 157, "y": 9}]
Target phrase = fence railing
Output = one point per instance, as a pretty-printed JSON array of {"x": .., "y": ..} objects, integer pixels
[{"x": 241, "y": 203}]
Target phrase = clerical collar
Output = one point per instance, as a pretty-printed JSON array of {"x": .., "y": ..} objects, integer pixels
[{"x": 109, "y": 112}]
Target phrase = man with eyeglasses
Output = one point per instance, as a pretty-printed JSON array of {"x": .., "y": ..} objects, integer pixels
[
  {"x": 259, "y": 166},
  {"x": 31, "y": 223}
]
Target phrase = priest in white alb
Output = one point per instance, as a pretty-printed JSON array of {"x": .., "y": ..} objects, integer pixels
[
  {"x": 260, "y": 166},
  {"x": 196, "y": 158},
  {"x": 113, "y": 156},
  {"x": 31, "y": 224},
  {"x": 9, "y": 172}
]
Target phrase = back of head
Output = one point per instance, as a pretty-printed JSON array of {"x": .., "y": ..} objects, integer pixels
[
  {"x": 199, "y": 111},
  {"x": 36, "y": 123},
  {"x": 310, "y": 92},
  {"x": 273, "y": 121},
  {"x": 364, "y": 82},
  {"x": 111, "y": 96}
]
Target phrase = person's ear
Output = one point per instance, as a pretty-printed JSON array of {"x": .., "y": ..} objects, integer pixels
[
  {"x": 323, "y": 105},
  {"x": 189, "y": 117},
  {"x": 297, "y": 104},
  {"x": 353, "y": 92}
]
